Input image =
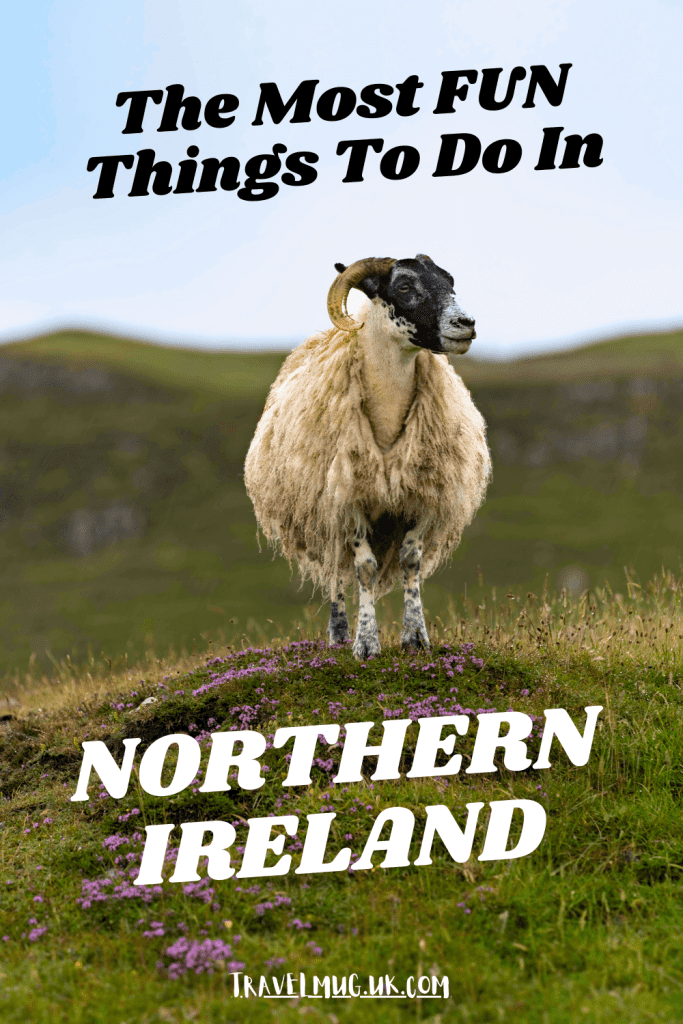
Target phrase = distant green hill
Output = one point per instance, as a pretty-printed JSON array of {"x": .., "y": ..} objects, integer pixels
[{"x": 124, "y": 522}]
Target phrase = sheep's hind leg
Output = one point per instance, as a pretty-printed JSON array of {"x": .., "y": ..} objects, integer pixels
[
  {"x": 367, "y": 639},
  {"x": 338, "y": 626},
  {"x": 414, "y": 632}
]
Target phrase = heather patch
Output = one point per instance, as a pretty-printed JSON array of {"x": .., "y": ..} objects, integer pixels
[{"x": 594, "y": 910}]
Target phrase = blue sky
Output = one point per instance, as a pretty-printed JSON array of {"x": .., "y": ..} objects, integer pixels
[{"x": 539, "y": 258}]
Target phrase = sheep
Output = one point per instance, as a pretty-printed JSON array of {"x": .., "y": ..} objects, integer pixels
[{"x": 370, "y": 457}]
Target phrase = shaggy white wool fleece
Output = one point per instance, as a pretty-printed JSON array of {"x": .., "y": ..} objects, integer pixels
[{"x": 315, "y": 471}]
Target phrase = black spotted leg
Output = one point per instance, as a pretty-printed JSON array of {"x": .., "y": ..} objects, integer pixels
[
  {"x": 338, "y": 626},
  {"x": 414, "y": 632},
  {"x": 367, "y": 638}
]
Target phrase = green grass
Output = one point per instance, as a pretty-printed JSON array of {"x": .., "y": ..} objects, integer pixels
[
  {"x": 167, "y": 436},
  {"x": 246, "y": 373},
  {"x": 586, "y": 928},
  {"x": 228, "y": 374}
]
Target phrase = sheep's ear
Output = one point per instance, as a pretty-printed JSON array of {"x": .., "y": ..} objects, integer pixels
[
  {"x": 424, "y": 259},
  {"x": 340, "y": 268},
  {"x": 370, "y": 285}
]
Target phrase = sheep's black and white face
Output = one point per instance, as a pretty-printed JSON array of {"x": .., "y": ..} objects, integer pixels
[{"x": 419, "y": 295}]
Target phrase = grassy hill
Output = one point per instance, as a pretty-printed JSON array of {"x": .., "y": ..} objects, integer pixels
[
  {"x": 124, "y": 525},
  {"x": 586, "y": 927}
]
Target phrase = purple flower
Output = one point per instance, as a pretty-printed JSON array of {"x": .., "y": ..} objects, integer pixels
[
  {"x": 200, "y": 957},
  {"x": 201, "y": 889},
  {"x": 113, "y": 842},
  {"x": 275, "y": 961},
  {"x": 279, "y": 901}
]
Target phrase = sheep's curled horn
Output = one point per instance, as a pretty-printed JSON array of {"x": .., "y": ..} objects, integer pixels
[{"x": 350, "y": 278}]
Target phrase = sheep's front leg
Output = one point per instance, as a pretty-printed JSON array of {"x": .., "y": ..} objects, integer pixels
[
  {"x": 338, "y": 626},
  {"x": 414, "y": 632},
  {"x": 367, "y": 639}
]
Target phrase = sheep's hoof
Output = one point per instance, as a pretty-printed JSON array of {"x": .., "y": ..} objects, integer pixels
[
  {"x": 365, "y": 646},
  {"x": 415, "y": 638}
]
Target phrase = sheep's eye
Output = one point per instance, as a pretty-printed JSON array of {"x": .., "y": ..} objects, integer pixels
[{"x": 404, "y": 287}]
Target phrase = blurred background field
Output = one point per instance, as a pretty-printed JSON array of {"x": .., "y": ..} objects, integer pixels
[{"x": 125, "y": 527}]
